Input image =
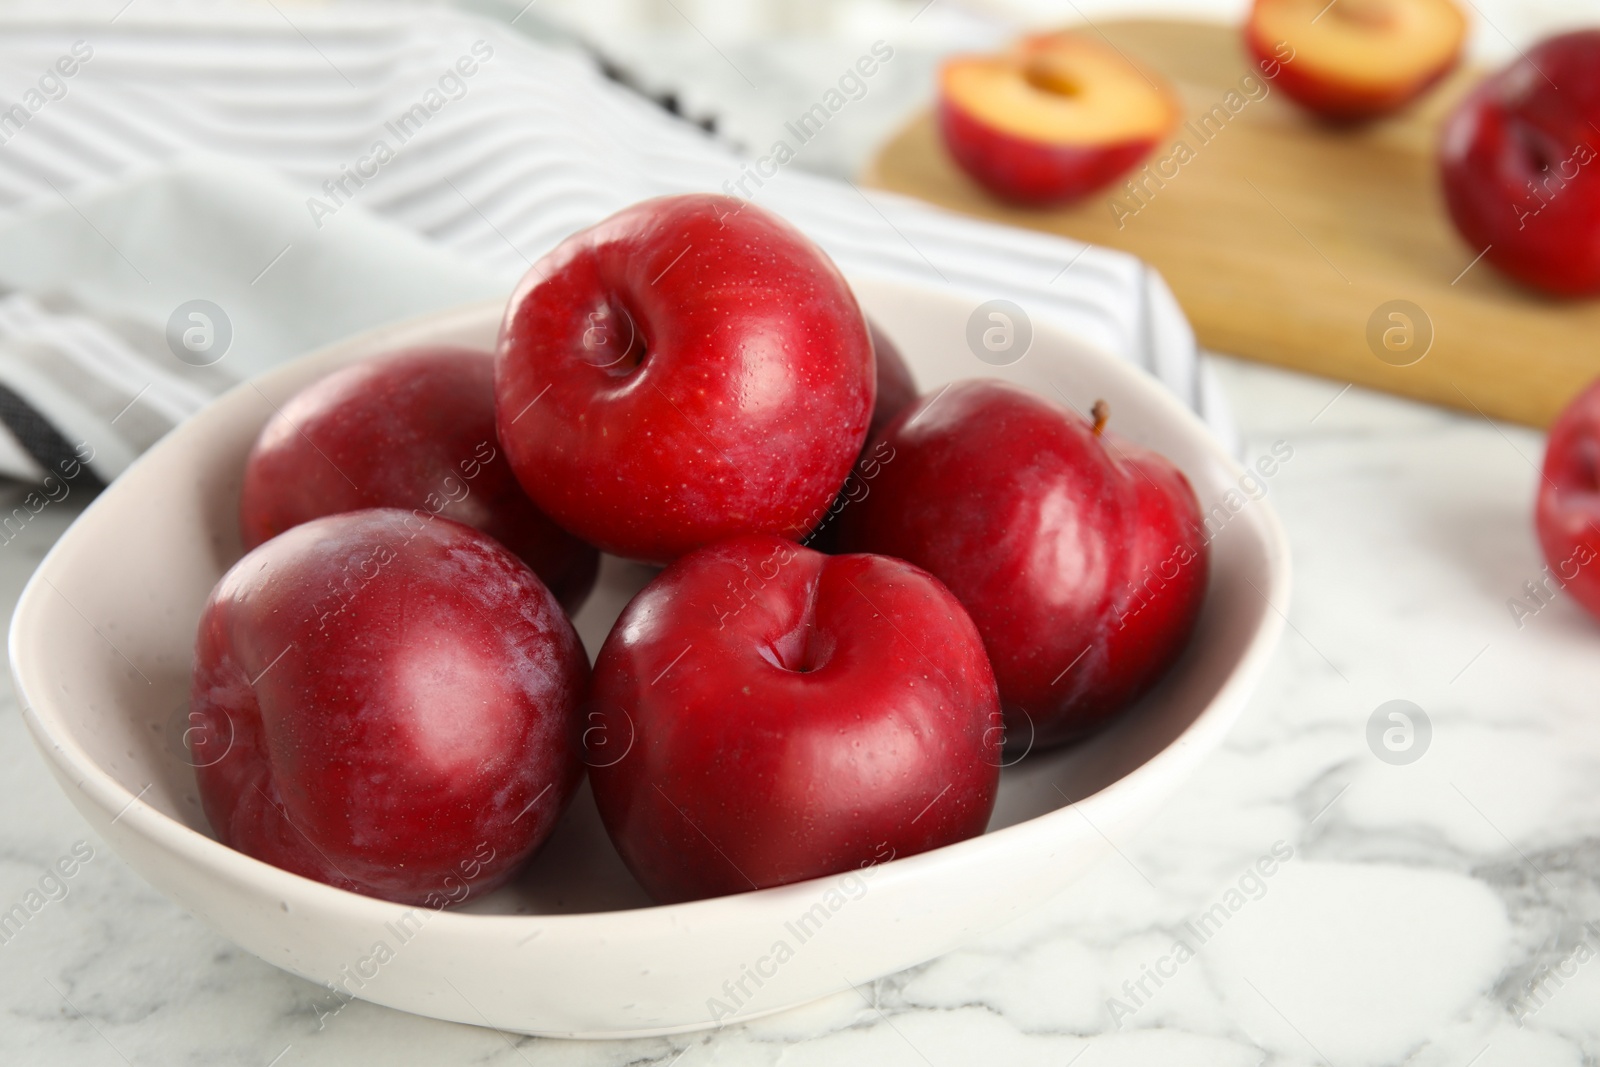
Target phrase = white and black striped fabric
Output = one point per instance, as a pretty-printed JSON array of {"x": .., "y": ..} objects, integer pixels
[{"x": 394, "y": 159}]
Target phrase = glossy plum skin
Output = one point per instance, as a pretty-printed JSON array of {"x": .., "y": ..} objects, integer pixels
[
  {"x": 1519, "y": 160},
  {"x": 412, "y": 430},
  {"x": 764, "y": 714},
  {"x": 897, "y": 389},
  {"x": 689, "y": 369},
  {"x": 396, "y": 702},
  {"x": 1567, "y": 512},
  {"x": 1033, "y": 173},
  {"x": 1082, "y": 559}
]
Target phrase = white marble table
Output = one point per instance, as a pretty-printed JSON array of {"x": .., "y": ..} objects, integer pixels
[{"x": 1416, "y": 903}]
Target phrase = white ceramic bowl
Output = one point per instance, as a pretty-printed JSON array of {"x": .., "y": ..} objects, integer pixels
[{"x": 100, "y": 653}]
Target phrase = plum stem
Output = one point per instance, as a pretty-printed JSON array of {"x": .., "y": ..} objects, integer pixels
[{"x": 1102, "y": 414}]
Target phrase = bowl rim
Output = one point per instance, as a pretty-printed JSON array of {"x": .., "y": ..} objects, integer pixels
[{"x": 72, "y": 763}]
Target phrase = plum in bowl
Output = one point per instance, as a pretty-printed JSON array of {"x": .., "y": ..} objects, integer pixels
[{"x": 101, "y": 648}]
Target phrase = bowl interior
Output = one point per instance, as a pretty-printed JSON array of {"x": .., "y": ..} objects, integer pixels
[{"x": 102, "y": 640}]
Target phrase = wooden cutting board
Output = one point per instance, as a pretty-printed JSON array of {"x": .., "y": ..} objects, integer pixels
[{"x": 1282, "y": 237}]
